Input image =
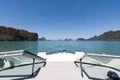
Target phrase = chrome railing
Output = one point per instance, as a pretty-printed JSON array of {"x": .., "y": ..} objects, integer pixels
[{"x": 97, "y": 66}]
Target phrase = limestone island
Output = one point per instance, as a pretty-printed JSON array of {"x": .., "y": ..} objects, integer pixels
[{"x": 12, "y": 34}]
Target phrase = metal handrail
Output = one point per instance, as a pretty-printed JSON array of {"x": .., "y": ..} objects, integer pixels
[
  {"x": 8, "y": 54},
  {"x": 103, "y": 55}
]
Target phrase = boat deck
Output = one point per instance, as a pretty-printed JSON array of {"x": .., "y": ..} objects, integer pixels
[
  {"x": 60, "y": 71},
  {"x": 61, "y": 67},
  {"x": 58, "y": 66}
]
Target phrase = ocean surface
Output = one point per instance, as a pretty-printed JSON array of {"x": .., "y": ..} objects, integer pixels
[{"x": 99, "y": 47}]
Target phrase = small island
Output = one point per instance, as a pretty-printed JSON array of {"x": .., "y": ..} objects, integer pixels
[
  {"x": 12, "y": 34},
  {"x": 42, "y": 39},
  {"x": 80, "y": 39}
]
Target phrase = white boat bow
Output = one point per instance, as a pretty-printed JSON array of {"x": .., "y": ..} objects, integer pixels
[{"x": 23, "y": 65}]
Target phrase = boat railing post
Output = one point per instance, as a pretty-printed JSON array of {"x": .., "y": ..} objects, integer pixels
[
  {"x": 81, "y": 67},
  {"x": 33, "y": 66}
]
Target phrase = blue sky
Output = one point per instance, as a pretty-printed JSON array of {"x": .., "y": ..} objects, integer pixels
[{"x": 59, "y": 19}]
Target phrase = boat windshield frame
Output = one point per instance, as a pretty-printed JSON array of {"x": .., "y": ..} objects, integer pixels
[
  {"x": 81, "y": 62},
  {"x": 11, "y": 54},
  {"x": 20, "y": 53}
]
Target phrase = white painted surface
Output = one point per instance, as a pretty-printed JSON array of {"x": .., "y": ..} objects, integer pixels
[
  {"x": 64, "y": 57},
  {"x": 60, "y": 71},
  {"x": 61, "y": 66}
]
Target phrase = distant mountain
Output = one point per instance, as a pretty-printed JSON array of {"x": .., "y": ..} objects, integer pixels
[
  {"x": 12, "y": 34},
  {"x": 108, "y": 36}
]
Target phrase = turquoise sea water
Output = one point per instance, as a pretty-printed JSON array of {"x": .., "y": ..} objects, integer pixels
[{"x": 107, "y": 47}]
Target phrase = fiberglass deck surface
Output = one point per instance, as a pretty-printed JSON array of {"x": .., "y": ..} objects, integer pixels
[
  {"x": 61, "y": 67},
  {"x": 60, "y": 71}
]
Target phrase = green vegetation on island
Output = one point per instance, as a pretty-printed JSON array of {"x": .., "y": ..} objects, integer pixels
[
  {"x": 12, "y": 34},
  {"x": 107, "y": 36}
]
